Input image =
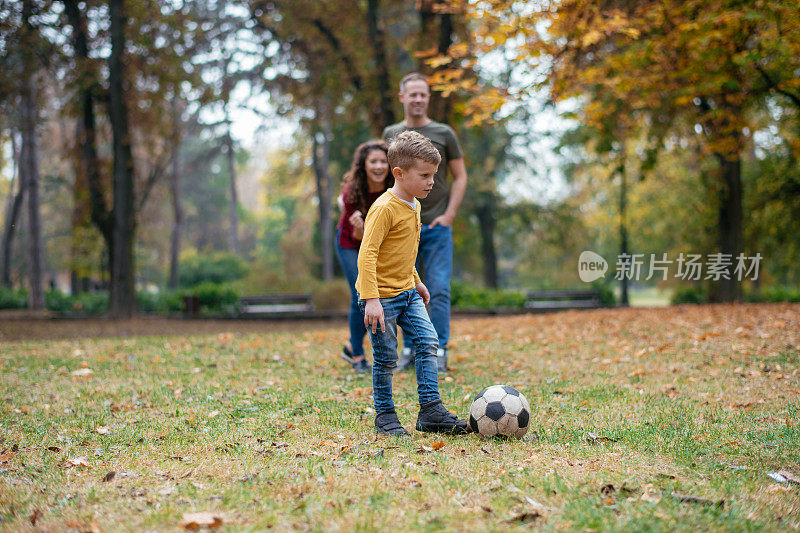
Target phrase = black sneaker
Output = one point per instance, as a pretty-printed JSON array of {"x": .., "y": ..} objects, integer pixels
[
  {"x": 362, "y": 366},
  {"x": 347, "y": 355},
  {"x": 406, "y": 360},
  {"x": 387, "y": 423},
  {"x": 434, "y": 418}
]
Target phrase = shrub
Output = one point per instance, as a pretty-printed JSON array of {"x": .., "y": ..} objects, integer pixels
[
  {"x": 688, "y": 295},
  {"x": 84, "y": 303},
  {"x": 13, "y": 298},
  {"x": 774, "y": 293},
  {"x": 607, "y": 296},
  {"x": 216, "y": 267},
  {"x": 160, "y": 302},
  {"x": 213, "y": 296},
  {"x": 467, "y": 296}
]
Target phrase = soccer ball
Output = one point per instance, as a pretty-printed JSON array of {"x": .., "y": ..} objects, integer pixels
[{"x": 500, "y": 410}]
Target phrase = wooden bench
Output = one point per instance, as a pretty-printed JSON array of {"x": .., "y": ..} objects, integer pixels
[
  {"x": 273, "y": 305},
  {"x": 563, "y": 299}
]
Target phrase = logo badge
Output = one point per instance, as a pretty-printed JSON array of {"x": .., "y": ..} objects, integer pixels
[{"x": 591, "y": 266}]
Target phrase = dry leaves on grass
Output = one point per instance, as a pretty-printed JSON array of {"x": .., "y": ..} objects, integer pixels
[
  {"x": 79, "y": 461},
  {"x": 194, "y": 521},
  {"x": 82, "y": 373},
  {"x": 594, "y": 438}
]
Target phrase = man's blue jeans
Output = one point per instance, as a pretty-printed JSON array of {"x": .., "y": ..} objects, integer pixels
[
  {"x": 348, "y": 258},
  {"x": 407, "y": 311},
  {"x": 435, "y": 264}
]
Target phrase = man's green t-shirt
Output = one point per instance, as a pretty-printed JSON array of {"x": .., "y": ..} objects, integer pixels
[{"x": 444, "y": 139}]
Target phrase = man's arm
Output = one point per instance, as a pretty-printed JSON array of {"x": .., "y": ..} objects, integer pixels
[{"x": 457, "y": 189}]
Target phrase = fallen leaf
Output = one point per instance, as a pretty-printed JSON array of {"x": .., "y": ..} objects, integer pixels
[
  {"x": 777, "y": 476},
  {"x": 525, "y": 518},
  {"x": 607, "y": 489},
  {"x": 54, "y": 449},
  {"x": 194, "y": 521},
  {"x": 108, "y": 477},
  {"x": 594, "y": 438},
  {"x": 790, "y": 477},
  {"x": 687, "y": 498},
  {"x": 103, "y": 430},
  {"x": 34, "y": 517},
  {"x": 650, "y": 494},
  {"x": 79, "y": 461},
  {"x": 438, "y": 445},
  {"x": 774, "y": 488},
  {"x": 424, "y": 449}
]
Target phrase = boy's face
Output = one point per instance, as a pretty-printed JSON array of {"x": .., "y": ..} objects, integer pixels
[
  {"x": 415, "y": 98},
  {"x": 417, "y": 180}
]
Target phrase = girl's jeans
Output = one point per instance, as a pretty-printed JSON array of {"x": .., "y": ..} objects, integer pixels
[{"x": 348, "y": 258}]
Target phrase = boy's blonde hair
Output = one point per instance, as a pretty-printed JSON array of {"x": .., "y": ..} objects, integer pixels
[{"x": 410, "y": 147}]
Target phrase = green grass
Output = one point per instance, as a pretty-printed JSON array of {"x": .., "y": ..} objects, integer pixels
[{"x": 273, "y": 430}]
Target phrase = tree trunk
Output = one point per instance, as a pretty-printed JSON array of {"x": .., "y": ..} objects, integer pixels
[
  {"x": 486, "y": 212},
  {"x": 233, "y": 199},
  {"x": 321, "y": 156},
  {"x": 377, "y": 39},
  {"x": 122, "y": 298},
  {"x": 89, "y": 194},
  {"x": 730, "y": 223},
  {"x": 429, "y": 11},
  {"x": 623, "y": 233},
  {"x": 13, "y": 209},
  {"x": 177, "y": 209},
  {"x": 29, "y": 170}
]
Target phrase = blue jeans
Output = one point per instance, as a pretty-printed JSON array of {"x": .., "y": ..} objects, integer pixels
[
  {"x": 407, "y": 311},
  {"x": 348, "y": 258},
  {"x": 435, "y": 264}
]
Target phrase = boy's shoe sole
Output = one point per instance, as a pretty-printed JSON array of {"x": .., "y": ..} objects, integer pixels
[
  {"x": 395, "y": 433},
  {"x": 444, "y": 428}
]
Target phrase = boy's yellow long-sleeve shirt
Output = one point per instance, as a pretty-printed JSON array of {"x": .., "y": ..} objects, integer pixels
[{"x": 389, "y": 248}]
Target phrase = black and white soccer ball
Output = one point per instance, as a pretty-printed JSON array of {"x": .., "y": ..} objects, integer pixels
[{"x": 500, "y": 410}]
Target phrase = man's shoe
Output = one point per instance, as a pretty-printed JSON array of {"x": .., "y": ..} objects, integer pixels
[
  {"x": 441, "y": 360},
  {"x": 434, "y": 418},
  {"x": 347, "y": 355},
  {"x": 406, "y": 359},
  {"x": 362, "y": 366},
  {"x": 387, "y": 423}
]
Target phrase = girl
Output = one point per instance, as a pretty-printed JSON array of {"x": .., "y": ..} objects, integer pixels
[{"x": 367, "y": 179}]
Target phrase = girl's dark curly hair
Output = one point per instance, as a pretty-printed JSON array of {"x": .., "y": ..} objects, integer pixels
[{"x": 355, "y": 180}]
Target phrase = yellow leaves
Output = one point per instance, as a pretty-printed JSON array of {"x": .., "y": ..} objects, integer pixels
[
  {"x": 438, "y": 61},
  {"x": 591, "y": 37}
]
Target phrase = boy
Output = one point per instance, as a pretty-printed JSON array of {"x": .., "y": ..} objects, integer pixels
[{"x": 391, "y": 293}]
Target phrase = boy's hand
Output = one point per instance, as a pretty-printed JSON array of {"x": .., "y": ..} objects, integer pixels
[
  {"x": 423, "y": 291},
  {"x": 373, "y": 314}
]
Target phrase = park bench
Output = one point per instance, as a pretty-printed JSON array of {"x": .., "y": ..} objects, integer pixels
[
  {"x": 275, "y": 305},
  {"x": 562, "y": 299}
]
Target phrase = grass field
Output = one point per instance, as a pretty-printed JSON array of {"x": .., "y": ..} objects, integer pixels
[{"x": 643, "y": 419}]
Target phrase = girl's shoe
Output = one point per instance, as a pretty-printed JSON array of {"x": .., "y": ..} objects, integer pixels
[
  {"x": 362, "y": 366},
  {"x": 347, "y": 355}
]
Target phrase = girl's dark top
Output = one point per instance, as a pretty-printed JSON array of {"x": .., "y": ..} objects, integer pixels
[{"x": 346, "y": 239}]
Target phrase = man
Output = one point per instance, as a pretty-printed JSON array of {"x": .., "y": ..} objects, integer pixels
[{"x": 435, "y": 258}]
